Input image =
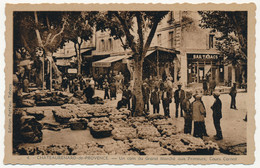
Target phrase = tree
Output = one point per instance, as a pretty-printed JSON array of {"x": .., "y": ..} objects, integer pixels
[
  {"x": 40, "y": 29},
  {"x": 134, "y": 26},
  {"x": 232, "y": 42},
  {"x": 80, "y": 29}
]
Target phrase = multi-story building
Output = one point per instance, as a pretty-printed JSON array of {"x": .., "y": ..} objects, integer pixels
[{"x": 180, "y": 49}]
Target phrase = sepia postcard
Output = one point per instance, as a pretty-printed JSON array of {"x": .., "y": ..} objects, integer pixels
[{"x": 130, "y": 83}]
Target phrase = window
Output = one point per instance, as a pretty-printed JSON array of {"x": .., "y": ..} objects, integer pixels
[
  {"x": 211, "y": 41},
  {"x": 159, "y": 39},
  {"x": 102, "y": 45},
  {"x": 110, "y": 44},
  {"x": 171, "y": 40}
]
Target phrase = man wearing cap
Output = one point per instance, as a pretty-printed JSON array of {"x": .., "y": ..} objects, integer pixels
[
  {"x": 217, "y": 115},
  {"x": 179, "y": 96},
  {"x": 186, "y": 106},
  {"x": 198, "y": 115},
  {"x": 233, "y": 94}
]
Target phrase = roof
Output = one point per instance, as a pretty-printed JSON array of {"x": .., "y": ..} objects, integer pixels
[
  {"x": 107, "y": 61},
  {"x": 69, "y": 55}
]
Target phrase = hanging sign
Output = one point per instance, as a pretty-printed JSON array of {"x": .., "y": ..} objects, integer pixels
[{"x": 72, "y": 71}]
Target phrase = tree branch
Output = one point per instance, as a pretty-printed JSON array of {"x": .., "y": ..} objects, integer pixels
[
  {"x": 61, "y": 31},
  {"x": 48, "y": 23},
  {"x": 37, "y": 30},
  {"x": 47, "y": 39},
  {"x": 129, "y": 36},
  {"x": 150, "y": 36}
]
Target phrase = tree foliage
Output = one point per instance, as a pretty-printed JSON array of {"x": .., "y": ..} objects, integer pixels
[
  {"x": 80, "y": 28},
  {"x": 233, "y": 28},
  {"x": 39, "y": 29}
]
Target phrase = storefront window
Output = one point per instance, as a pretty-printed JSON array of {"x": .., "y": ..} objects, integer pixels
[
  {"x": 171, "y": 40},
  {"x": 211, "y": 41}
]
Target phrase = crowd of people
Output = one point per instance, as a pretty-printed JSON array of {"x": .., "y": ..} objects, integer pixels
[{"x": 192, "y": 112}]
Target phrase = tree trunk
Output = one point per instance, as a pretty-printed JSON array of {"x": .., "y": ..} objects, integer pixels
[
  {"x": 233, "y": 74},
  {"x": 79, "y": 59},
  {"x": 139, "y": 106}
]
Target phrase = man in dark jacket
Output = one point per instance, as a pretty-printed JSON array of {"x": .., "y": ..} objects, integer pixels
[
  {"x": 233, "y": 94},
  {"x": 217, "y": 115},
  {"x": 166, "y": 100},
  {"x": 179, "y": 96},
  {"x": 127, "y": 95},
  {"x": 155, "y": 100},
  {"x": 89, "y": 93},
  {"x": 146, "y": 95},
  {"x": 205, "y": 86}
]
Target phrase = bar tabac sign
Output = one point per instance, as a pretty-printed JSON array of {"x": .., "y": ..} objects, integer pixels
[{"x": 203, "y": 56}]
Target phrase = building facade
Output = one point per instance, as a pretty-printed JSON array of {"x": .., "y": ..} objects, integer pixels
[{"x": 180, "y": 49}]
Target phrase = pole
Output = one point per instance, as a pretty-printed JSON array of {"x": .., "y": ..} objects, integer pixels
[
  {"x": 51, "y": 75},
  {"x": 157, "y": 65},
  {"x": 43, "y": 72}
]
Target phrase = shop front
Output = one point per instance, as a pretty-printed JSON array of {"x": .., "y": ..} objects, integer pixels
[
  {"x": 112, "y": 64},
  {"x": 205, "y": 67}
]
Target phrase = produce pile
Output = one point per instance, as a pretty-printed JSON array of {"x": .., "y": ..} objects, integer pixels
[
  {"x": 100, "y": 127},
  {"x": 38, "y": 114},
  {"x": 26, "y": 128},
  {"x": 185, "y": 144},
  {"x": 153, "y": 135},
  {"x": 78, "y": 123}
]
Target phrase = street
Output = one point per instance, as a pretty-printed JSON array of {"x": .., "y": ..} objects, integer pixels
[{"x": 233, "y": 126}]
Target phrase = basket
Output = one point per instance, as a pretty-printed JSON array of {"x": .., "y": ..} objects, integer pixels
[
  {"x": 100, "y": 134},
  {"x": 79, "y": 125}
]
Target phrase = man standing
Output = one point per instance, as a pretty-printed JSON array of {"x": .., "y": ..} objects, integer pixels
[
  {"x": 127, "y": 94},
  {"x": 106, "y": 87},
  {"x": 212, "y": 85},
  {"x": 205, "y": 86},
  {"x": 217, "y": 115},
  {"x": 166, "y": 100},
  {"x": 198, "y": 115},
  {"x": 155, "y": 100},
  {"x": 186, "y": 106},
  {"x": 233, "y": 94},
  {"x": 146, "y": 95},
  {"x": 179, "y": 96}
]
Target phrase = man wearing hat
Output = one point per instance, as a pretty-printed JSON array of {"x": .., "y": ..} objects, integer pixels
[
  {"x": 233, "y": 94},
  {"x": 198, "y": 116},
  {"x": 127, "y": 94},
  {"x": 186, "y": 106},
  {"x": 166, "y": 100},
  {"x": 179, "y": 96},
  {"x": 217, "y": 115}
]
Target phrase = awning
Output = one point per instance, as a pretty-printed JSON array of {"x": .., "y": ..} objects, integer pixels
[{"x": 107, "y": 62}]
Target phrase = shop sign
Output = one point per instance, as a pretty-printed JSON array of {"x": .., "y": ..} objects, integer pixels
[
  {"x": 101, "y": 64},
  {"x": 72, "y": 71},
  {"x": 203, "y": 56}
]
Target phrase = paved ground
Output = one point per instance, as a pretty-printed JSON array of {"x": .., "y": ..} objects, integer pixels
[{"x": 233, "y": 126}]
